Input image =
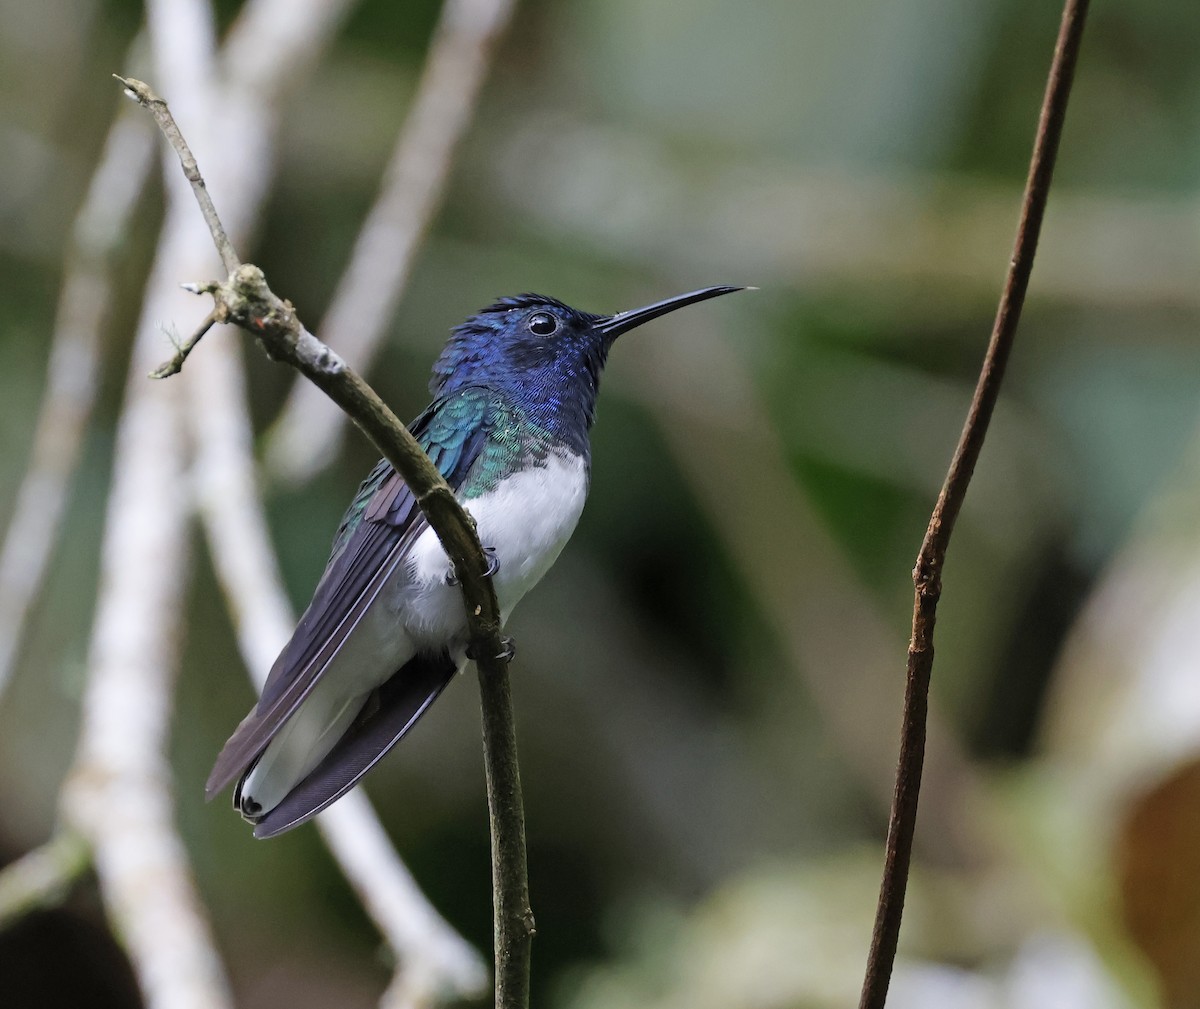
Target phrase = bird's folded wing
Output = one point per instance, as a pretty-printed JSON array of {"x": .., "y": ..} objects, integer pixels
[
  {"x": 345, "y": 593},
  {"x": 374, "y": 538},
  {"x": 389, "y": 714}
]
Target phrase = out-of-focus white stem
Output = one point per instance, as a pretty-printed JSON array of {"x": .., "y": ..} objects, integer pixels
[
  {"x": 434, "y": 963},
  {"x": 271, "y": 47},
  {"x": 273, "y": 44},
  {"x": 83, "y": 306},
  {"x": 118, "y": 793},
  {"x": 306, "y": 435}
]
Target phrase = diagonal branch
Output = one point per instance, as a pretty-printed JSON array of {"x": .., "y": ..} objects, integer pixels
[
  {"x": 927, "y": 575},
  {"x": 42, "y": 877},
  {"x": 249, "y": 303},
  {"x": 306, "y": 434}
]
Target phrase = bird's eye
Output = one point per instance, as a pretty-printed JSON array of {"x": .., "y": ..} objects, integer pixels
[{"x": 542, "y": 324}]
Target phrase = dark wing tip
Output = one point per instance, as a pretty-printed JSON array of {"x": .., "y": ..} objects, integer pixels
[
  {"x": 236, "y": 755},
  {"x": 401, "y": 701}
]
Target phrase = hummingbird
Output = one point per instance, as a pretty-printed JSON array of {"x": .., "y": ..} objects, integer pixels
[{"x": 514, "y": 398}]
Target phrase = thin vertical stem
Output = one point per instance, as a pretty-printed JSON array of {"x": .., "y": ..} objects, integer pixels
[
  {"x": 927, "y": 575},
  {"x": 513, "y": 923}
]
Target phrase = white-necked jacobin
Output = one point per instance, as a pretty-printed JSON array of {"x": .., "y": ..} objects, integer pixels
[{"x": 514, "y": 397}]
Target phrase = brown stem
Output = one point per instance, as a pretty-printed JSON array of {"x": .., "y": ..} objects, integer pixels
[
  {"x": 142, "y": 94},
  {"x": 175, "y": 365},
  {"x": 927, "y": 574}
]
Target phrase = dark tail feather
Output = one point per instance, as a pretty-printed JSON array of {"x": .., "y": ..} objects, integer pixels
[{"x": 388, "y": 714}]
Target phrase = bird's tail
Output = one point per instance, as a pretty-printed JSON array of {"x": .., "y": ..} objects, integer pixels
[{"x": 364, "y": 731}]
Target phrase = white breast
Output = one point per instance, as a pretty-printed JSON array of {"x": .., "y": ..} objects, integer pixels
[{"x": 527, "y": 518}]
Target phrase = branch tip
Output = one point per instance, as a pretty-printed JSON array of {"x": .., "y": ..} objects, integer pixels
[
  {"x": 175, "y": 364},
  {"x": 139, "y": 91}
]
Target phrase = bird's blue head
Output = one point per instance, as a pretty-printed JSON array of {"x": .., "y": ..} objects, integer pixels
[{"x": 545, "y": 356}]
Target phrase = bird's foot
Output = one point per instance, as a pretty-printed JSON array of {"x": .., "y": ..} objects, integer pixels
[
  {"x": 493, "y": 561},
  {"x": 493, "y": 565},
  {"x": 508, "y": 650}
]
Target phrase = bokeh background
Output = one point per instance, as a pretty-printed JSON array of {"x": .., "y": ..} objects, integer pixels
[{"x": 708, "y": 686}]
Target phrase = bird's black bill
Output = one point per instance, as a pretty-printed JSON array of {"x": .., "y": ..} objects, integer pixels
[{"x": 622, "y": 322}]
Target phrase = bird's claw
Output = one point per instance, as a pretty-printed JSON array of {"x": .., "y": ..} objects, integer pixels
[
  {"x": 493, "y": 561},
  {"x": 493, "y": 565},
  {"x": 508, "y": 650}
]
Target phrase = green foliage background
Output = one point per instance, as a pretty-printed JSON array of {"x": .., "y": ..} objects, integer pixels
[{"x": 694, "y": 820}]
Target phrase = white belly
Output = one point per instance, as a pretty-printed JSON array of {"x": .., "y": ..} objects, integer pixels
[{"x": 527, "y": 519}]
